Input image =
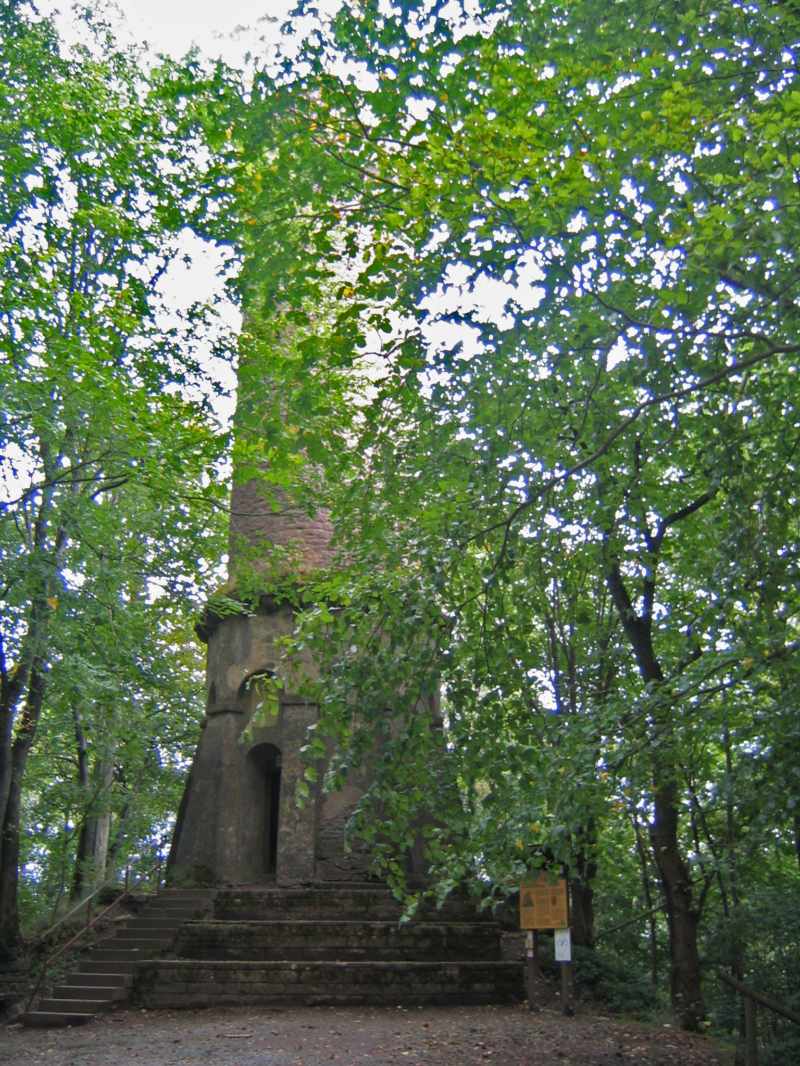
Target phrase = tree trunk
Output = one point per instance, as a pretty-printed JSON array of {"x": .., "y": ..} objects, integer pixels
[
  {"x": 582, "y": 911},
  {"x": 10, "y": 939},
  {"x": 26, "y": 681},
  {"x": 6, "y": 734},
  {"x": 682, "y": 917},
  {"x": 115, "y": 848},
  {"x": 93, "y": 839},
  {"x": 13, "y": 684},
  {"x": 582, "y": 891}
]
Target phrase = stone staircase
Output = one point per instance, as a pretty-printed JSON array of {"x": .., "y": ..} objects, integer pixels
[
  {"x": 105, "y": 974},
  {"x": 340, "y": 944}
]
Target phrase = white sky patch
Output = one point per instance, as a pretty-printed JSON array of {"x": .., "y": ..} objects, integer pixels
[
  {"x": 419, "y": 107},
  {"x": 617, "y": 353},
  {"x": 196, "y": 277},
  {"x": 445, "y": 336},
  {"x": 486, "y": 297},
  {"x": 227, "y": 30}
]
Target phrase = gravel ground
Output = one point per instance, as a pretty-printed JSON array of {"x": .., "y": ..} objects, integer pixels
[{"x": 351, "y": 1036}]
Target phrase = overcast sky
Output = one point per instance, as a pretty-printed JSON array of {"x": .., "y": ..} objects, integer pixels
[
  {"x": 175, "y": 25},
  {"x": 218, "y": 27},
  {"x": 230, "y": 28}
]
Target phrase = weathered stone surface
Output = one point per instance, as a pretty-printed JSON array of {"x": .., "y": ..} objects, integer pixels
[
  {"x": 239, "y": 822},
  {"x": 332, "y": 940},
  {"x": 264, "y": 517},
  {"x": 365, "y": 902},
  {"x": 175, "y": 983},
  {"x": 298, "y": 825},
  {"x": 334, "y": 944},
  {"x": 104, "y": 975}
]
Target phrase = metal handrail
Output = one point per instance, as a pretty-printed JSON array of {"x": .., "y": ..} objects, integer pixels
[
  {"x": 89, "y": 925},
  {"x": 83, "y": 903}
]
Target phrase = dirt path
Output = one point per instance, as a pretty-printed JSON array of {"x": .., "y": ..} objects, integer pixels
[{"x": 351, "y": 1036}]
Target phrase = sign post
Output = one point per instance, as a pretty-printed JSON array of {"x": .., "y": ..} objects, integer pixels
[
  {"x": 544, "y": 904},
  {"x": 533, "y": 972},
  {"x": 562, "y": 951}
]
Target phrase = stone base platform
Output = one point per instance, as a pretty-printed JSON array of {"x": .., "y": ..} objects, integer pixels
[
  {"x": 184, "y": 983},
  {"x": 330, "y": 945}
]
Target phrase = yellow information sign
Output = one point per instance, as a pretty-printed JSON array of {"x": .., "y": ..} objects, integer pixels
[{"x": 543, "y": 904}]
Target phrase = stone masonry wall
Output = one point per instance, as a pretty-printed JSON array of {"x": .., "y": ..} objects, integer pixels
[
  {"x": 298, "y": 940},
  {"x": 263, "y": 516},
  {"x": 168, "y": 983}
]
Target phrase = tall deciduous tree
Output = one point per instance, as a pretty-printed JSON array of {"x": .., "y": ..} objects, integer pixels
[
  {"x": 107, "y": 461},
  {"x": 622, "y": 185}
]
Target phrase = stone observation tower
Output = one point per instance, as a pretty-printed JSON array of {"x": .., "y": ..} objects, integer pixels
[
  {"x": 265, "y": 904},
  {"x": 238, "y": 822},
  {"x": 289, "y": 915}
]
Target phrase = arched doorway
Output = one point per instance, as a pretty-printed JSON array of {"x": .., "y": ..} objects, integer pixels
[{"x": 264, "y": 765}]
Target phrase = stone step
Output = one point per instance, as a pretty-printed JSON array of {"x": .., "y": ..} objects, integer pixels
[
  {"x": 336, "y": 945},
  {"x": 187, "y": 899},
  {"x": 70, "y": 1006},
  {"x": 183, "y": 903},
  {"x": 159, "y": 908},
  {"x": 144, "y": 927},
  {"x": 175, "y": 894},
  {"x": 369, "y": 904},
  {"x": 96, "y": 991},
  {"x": 186, "y": 893},
  {"x": 327, "y": 940},
  {"x": 168, "y": 922},
  {"x": 106, "y": 973},
  {"x": 132, "y": 938},
  {"x": 177, "y": 983},
  {"x": 123, "y": 967},
  {"x": 81, "y": 979},
  {"x": 117, "y": 954},
  {"x": 40, "y": 1019}
]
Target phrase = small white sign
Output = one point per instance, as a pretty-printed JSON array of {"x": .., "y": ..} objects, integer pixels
[{"x": 563, "y": 945}]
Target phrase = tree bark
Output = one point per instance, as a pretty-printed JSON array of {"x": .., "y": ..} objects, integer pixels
[
  {"x": 12, "y": 690},
  {"x": 582, "y": 891},
  {"x": 566, "y": 692},
  {"x": 10, "y": 940},
  {"x": 682, "y": 915},
  {"x": 93, "y": 837},
  {"x": 26, "y": 682},
  {"x": 582, "y": 909},
  {"x": 91, "y": 857}
]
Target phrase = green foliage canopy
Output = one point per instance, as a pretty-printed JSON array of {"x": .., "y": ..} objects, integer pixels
[
  {"x": 111, "y": 496},
  {"x": 620, "y": 431}
]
